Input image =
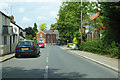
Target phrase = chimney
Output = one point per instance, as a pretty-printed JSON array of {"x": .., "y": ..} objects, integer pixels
[{"x": 12, "y": 19}]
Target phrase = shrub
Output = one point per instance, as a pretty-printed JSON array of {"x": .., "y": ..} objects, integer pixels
[{"x": 100, "y": 47}]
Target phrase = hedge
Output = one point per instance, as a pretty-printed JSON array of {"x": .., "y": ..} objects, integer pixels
[{"x": 99, "y": 47}]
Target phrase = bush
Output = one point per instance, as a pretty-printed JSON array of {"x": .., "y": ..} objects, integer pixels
[
  {"x": 100, "y": 47},
  {"x": 68, "y": 45}
]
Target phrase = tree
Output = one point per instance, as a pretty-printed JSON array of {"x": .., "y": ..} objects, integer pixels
[
  {"x": 111, "y": 13},
  {"x": 29, "y": 37},
  {"x": 29, "y": 33},
  {"x": 43, "y": 27},
  {"x": 69, "y": 18},
  {"x": 35, "y": 31},
  {"x": 35, "y": 28}
]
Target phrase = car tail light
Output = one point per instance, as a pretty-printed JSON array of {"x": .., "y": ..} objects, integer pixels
[
  {"x": 32, "y": 47},
  {"x": 17, "y": 48}
]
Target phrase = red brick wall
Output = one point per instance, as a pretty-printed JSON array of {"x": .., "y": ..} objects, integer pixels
[
  {"x": 46, "y": 39},
  {"x": 50, "y": 40},
  {"x": 38, "y": 36}
]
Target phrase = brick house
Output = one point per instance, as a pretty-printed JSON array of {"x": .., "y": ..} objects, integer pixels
[
  {"x": 92, "y": 35},
  {"x": 48, "y": 36}
]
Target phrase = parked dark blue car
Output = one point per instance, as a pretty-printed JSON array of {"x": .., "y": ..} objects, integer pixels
[{"x": 27, "y": 48}]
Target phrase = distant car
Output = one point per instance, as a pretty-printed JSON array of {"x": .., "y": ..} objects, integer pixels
[
  {"x": 58, "y": 43},
  {"x": 41, "y": 45},
  {"x": 27, "y": 48}
]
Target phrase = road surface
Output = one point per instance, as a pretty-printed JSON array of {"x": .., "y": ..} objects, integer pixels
[{"x": 54, "y": 62}]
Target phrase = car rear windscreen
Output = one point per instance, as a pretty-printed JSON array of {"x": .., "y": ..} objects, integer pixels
[{"x": 25, "y": 43}]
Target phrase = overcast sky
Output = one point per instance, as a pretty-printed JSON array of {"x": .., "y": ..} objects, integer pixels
[{"x": 28, "y": 12}]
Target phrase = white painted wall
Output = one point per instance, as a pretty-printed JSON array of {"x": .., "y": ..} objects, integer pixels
[
  {"x": 15, "y": 29},
  {"x": 4, "y": 49},
  {"x": 0, "y": 29}
]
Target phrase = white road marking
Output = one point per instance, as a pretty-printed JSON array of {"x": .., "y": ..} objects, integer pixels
[
  {"x": 46, "y": 72},
  {"x": 47, "y": 67},
  {"x": 47, "y": 60}
]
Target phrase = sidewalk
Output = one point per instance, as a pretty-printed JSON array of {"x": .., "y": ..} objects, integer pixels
[
  {"x": 6, "y": 57},
  {"x": 105, "y": 61}
]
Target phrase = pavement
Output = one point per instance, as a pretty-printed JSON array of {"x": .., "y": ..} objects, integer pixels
[
  {"x": 108, "y": 62},
  {"x": 6, "y": 57}
]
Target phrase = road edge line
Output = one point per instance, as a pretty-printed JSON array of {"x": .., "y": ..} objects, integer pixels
[
  {"x": 105, "y": 65},
  {"x": 98, "y": 62}
]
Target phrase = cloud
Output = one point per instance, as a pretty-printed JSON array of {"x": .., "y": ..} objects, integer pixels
[
  {"x": 21, "y": 10},
  {"x": 31, "y": 0},
  {"x": 26, "y": 20},
  {"x": 43, "y": 8},
  {"x": 53, "y": 13},
  {"x": 41, "y": 18},
  {"x": 3, "y": 5}
]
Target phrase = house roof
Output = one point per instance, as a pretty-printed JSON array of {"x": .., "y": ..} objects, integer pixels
[
  {"x": 95, "y": 16},
  {"x": 10, "y": 21},
  {"x": 50, "y": 32},
  {"x": 17, "y": 26},
  {"x": 4, "y": 14}
]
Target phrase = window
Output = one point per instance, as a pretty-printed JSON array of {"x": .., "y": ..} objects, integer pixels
[
  {"x": 5, "y": 40},
  {"x": 54, "y": 36},
  {"x": 41, "y": 39},
  {"x": 25, "y": 43},
  {"x": 40, "y": 35},
  {"x": 48, "y": 36},
  {"x": 51, "y": 36},
  {"x": 44, "y": 36}
]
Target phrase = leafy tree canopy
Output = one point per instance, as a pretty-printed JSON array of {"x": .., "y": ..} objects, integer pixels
[{"x": 43, "y": 27}]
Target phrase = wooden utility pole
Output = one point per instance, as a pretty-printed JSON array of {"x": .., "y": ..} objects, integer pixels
[{"x": 81, "y": 20}]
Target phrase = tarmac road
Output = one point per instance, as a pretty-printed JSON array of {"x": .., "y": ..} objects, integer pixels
[{"x": 54, "y": 62}]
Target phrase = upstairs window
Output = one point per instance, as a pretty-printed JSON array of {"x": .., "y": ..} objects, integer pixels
[{"x": 54, "y": 36}]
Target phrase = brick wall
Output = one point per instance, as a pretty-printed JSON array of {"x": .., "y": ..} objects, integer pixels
[
  {"x": 40, "y": 35},
  {"x": 48, "y": 38}
]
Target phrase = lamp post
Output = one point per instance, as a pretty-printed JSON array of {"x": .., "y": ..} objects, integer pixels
[{"x": 81, "y": 20}]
